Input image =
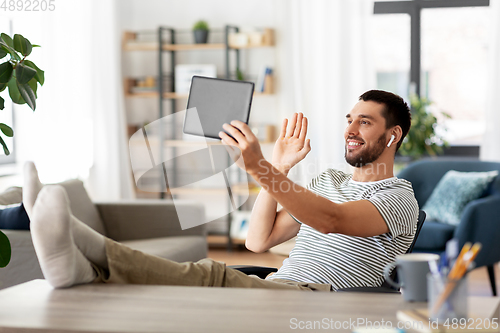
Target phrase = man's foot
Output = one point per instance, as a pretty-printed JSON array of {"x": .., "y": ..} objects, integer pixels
[
  {"x": 31, "y": 187},
  {"x": 89, "y": 242},
  {"x": 63, "y": 265}
]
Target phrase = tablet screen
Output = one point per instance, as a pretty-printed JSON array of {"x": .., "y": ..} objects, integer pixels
[{"x": 217, "y": 101}]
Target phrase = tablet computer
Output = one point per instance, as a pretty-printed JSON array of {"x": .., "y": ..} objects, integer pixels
[{"x": 217, "y": 101}]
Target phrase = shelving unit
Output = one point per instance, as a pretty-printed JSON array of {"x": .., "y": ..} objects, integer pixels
[
  {"x": 183, "y": 143},
  {"x": 168, "y": 95},
  {"x": 141, "y": 46},
  {"x": 166, "y": 43}
]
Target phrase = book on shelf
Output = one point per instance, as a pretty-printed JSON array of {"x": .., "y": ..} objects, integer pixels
[{"x": 263, "y": 79}]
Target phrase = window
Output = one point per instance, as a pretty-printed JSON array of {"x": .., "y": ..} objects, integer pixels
[
  {"x": 455, "y": 47},
  {"x": 447, "y": 45},
  {"x": 391, "y": 52}
]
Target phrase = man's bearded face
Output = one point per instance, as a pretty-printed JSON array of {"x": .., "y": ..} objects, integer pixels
[{"x": 359, "y": 154}]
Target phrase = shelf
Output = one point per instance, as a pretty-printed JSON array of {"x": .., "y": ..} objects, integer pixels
[
  {"x": 184, "y": 143},
  {"x": 236, "y": 189},
  {"x": 153, "y": 46},
  {"x": 172, "y": 95},
  {"x": 154, "y": 94},
  {"x": 209, "y": 191},
  {"x": 130, "y": 43}
]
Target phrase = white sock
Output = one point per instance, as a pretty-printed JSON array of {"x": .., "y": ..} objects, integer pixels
[
  {"x": 91, "y": 243},
  {"x": 63, "y": 265},
  {"x": 31, "y": 187}
]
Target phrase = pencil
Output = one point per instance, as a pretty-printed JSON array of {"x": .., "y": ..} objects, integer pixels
[
  {"x": 467, "y": 246},
  {"x": 457, "y": 272}
]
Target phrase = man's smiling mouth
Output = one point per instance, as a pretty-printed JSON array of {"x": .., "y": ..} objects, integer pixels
[{"x": 354, "y": 144}]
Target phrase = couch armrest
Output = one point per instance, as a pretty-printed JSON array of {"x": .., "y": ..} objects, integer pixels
[
  {"x": 143, "y": 219},
  {"x": 481, "y": 223},
  {"x": 23, "y": 264}
]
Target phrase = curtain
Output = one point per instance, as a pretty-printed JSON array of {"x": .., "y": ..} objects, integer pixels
[
  {"x": 56, "y": 136},
  {"x": 489, "y": 147},
  {"x": 110, "y": 175},
  {"x": 77, "y": 130},
  {"x": 324, "y": 65}
]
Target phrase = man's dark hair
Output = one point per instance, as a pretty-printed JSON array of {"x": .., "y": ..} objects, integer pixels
[{"x": 396, "y": 111}]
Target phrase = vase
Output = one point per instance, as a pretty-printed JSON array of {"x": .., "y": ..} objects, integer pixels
[{"x": 200, "y": 36}]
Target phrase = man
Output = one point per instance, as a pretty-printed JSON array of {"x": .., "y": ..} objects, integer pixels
[{"x": 349, "y": 226}]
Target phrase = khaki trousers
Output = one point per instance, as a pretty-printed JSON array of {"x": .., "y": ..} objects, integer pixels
[{"x": 127, "y": 266}]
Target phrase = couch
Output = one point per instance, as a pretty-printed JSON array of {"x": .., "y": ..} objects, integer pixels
[
  {"x": 480, "y": 220},
  {"x": 151, "y": 226}
]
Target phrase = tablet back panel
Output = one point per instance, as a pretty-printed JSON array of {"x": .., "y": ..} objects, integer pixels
[{"x": 217, "y": 101}]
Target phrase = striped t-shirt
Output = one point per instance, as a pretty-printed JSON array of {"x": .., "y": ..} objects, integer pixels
[{"x": 349, "y": 261}]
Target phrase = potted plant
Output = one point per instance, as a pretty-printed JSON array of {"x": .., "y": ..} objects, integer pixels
[
  {"x": 200, "y": 30},
  {"x": 21, "y": 77},
  {"x": 422, "y": 138}
]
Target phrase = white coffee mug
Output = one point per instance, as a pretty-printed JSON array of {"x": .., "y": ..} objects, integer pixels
[{"x": 412, "y": 273}]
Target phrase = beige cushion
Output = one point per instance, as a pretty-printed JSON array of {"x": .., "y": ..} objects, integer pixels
[
  {"x": 10, "y": 196},
  {"x": 81, "y": 205}
]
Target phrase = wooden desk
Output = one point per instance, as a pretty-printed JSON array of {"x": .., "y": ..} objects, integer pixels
[{"x": 36, "y": 307}]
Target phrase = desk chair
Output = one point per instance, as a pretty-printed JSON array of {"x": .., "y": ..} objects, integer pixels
[{"x": 262, "y": 272}]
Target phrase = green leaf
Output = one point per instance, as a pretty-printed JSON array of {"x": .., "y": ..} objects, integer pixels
[
  {"x": 422, "y": 138},
  {"x": 5, "y": 250},
  {"x": 3, "y": 86},
  {"x": 7, "y": 130},
  {"x": 40, "y": 75},
  {"x": 34, "y": 86},
  {"x": 200, "y": 25},
  {"x": 22, "y": 45},
  {"x": 7, "y": 152},
  {"x": 6, "y": 38},
  {"x": 10, "y": 50},
  {"x": 24, "y": 73},
  {"x": 2, "y": 103},
  {"x": 3, "y": 53},
  {"x": 6, "y": 70},
  {"x": 28, "y": 95},
  {"x": 34, "y": 45},
  {"x": 14, "y": 93}
]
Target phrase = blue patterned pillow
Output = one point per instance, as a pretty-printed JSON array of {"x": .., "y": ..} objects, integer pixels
[{"x": 453, "y": 192}]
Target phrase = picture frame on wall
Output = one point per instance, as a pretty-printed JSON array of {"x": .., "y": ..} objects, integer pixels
[{"x": 185, "y": 72}]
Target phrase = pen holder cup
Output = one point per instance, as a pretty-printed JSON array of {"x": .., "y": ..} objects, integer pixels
[{"x": 452, "y": 296}]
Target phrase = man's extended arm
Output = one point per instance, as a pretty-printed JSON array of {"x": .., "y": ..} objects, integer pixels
[{"x": 355, "y": 218}]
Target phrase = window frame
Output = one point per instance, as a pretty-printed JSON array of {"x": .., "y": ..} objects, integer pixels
[{"x": 414, "y": 9}]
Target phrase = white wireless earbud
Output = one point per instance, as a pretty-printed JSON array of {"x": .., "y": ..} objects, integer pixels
[{"x": 390, "y": 142}]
